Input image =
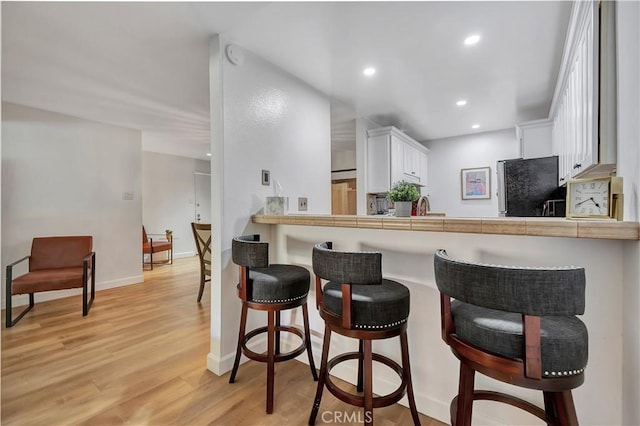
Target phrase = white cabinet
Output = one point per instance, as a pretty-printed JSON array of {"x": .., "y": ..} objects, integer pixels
[
  {"x": 397, "y": 162},
  {"x": 535, "y": 138},
  {"x": 411, "y": 164},
  {"x": 577, "y": 109},
  {"x": 424, "y": 172},
  {"x": 393, "y": 156}
]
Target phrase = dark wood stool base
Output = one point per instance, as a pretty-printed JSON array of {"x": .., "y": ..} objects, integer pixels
[
  {"x": 559, "y": 409},
  {"x": 273, "y": 330},
  {"x": 365, "y": 358}
]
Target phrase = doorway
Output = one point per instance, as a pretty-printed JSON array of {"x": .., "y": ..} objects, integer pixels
[{"x": 202, "y": 205}]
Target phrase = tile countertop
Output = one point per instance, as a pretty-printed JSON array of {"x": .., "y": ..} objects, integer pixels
[{"x": 533, "y": 226}]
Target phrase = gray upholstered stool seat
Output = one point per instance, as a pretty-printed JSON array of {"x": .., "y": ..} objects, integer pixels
[
  {"x": 278, "y": 283},
  {"x": 270, "y": 288},
  {"x": 356, "y": 302},
  {"x": 376, "y": 306},
  {"x": 563, "y": 340},
  {"x": 518, "y": 325}
]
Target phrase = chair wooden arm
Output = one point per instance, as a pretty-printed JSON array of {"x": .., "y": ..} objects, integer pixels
[
  {"x": 318, "y": 292},
  {"x": 446, "y": 320},
  {"x": 244, "y": 283},
  {"x": 346, "y": 305},
  {"x": 533, "y": 351}
]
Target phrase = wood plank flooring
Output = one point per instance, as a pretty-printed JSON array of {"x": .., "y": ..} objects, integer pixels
[{"x": 139, "y": 358}]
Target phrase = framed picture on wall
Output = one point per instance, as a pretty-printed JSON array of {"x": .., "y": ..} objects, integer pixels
[{"x": 476, "y": 183}]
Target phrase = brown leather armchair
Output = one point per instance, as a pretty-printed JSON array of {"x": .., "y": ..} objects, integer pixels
[
  {"x": 55, "y": 263},
  {"x": 150, "y": 247}
]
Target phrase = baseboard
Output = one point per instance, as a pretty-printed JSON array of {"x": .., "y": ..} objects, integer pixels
[
  {"x": 185, "y": 254},
  {"x": 221, "y": 366}
]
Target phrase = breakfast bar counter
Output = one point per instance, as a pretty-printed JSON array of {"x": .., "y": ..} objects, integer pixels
[
  {"x": 532, "y": 226},
  {"x": 603, "y": 247}
]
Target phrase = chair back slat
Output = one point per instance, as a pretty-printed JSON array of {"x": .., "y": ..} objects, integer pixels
[
  {"x": 59, "y": 252},
  {"x": 202, "y": 237}
]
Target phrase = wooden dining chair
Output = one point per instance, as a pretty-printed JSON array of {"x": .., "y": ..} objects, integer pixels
[{"x": 202, "y": 236}]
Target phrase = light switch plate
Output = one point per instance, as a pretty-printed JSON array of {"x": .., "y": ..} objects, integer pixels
[
  {"x": 302, "y": 204},
  {"x": 266, "y": 178}
]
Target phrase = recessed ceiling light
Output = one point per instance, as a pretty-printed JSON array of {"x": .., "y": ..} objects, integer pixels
[
  {"x": 208, "y": 154},
  {"x": 369, "y": 71},
  {"x": 475, "y": 126},
  {"x": 473, "y": 39},
  {"x": 461, "y": 102}
]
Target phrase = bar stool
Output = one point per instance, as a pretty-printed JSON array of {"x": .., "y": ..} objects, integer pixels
[
  {"x": 516, "y": 325},
  {"x": 271, "y": 288},
  {"x": 357, "y": 302}
]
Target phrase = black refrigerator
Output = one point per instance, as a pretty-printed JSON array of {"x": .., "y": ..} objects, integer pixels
[{"x": 525, "y": 184}]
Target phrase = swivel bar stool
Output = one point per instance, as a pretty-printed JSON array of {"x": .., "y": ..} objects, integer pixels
[
  {"x": 516, "y": 325},
  {"x": 271, "y": 288},
  {"x": 357, "y": 302}
]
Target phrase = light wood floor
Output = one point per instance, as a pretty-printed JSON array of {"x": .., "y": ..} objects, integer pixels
[{"x": 139, "y": 358}]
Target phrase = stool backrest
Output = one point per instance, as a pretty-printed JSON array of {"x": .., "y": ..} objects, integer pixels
[
  {"x": 346, "y": 267},
  {"x": 59, "y": 252},
  {"x": 248, "y": 251},
  {"x": 530, "y": 291}
]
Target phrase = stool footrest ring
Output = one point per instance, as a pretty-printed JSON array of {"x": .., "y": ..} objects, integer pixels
[
  {"x": 358, "y": 400},
  {"x": 263, "y": 357},
  {"x": 485, "y": 395}
]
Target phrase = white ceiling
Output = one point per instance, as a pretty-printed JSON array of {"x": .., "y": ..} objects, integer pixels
[{"x": 145, "y": 65}]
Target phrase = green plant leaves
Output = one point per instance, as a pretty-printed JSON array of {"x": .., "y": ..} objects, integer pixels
[{"x": 403, "y": 191}]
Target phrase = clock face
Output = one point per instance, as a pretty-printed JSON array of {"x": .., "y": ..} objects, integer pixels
[{"x": 589, "y": 198}]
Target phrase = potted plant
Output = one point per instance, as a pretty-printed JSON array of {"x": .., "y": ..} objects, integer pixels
[
  {"x": 403, "y": 194},
  {"x": 168, "y": 233}
]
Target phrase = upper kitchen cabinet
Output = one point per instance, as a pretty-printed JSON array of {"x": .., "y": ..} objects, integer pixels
[
  {"x": 535, "y": 138},
  {"x": 393, "y": 156},
  {"x": 583, "y": 107}
]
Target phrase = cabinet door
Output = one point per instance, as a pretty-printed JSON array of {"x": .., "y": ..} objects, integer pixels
[
  {"x": 378, "y": 164},
  {"x": 424, "y": 171},
  {"x": 575, "y": 121},
  {"x": 411, "y": 162},
  {"x": 397, "y": 166}
]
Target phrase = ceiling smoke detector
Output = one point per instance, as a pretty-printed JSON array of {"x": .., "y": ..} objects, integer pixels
[{"x": 234, "y": 54}]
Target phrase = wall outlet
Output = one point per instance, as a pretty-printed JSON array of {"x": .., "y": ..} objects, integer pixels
[
  {"x": 302, "y": 204},
  {"x": 266, "y": 177}
]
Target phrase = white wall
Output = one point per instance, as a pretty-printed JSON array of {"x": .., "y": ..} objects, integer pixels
[
  {"x": 62, "y": 175},
  {"x": 168, "y": 197},
  {"x": 270, "y": 120},
  {"x": 343, "y": 160},
  {"x": 449, "y": 155},
  {"x": 628, "y": 97}
]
